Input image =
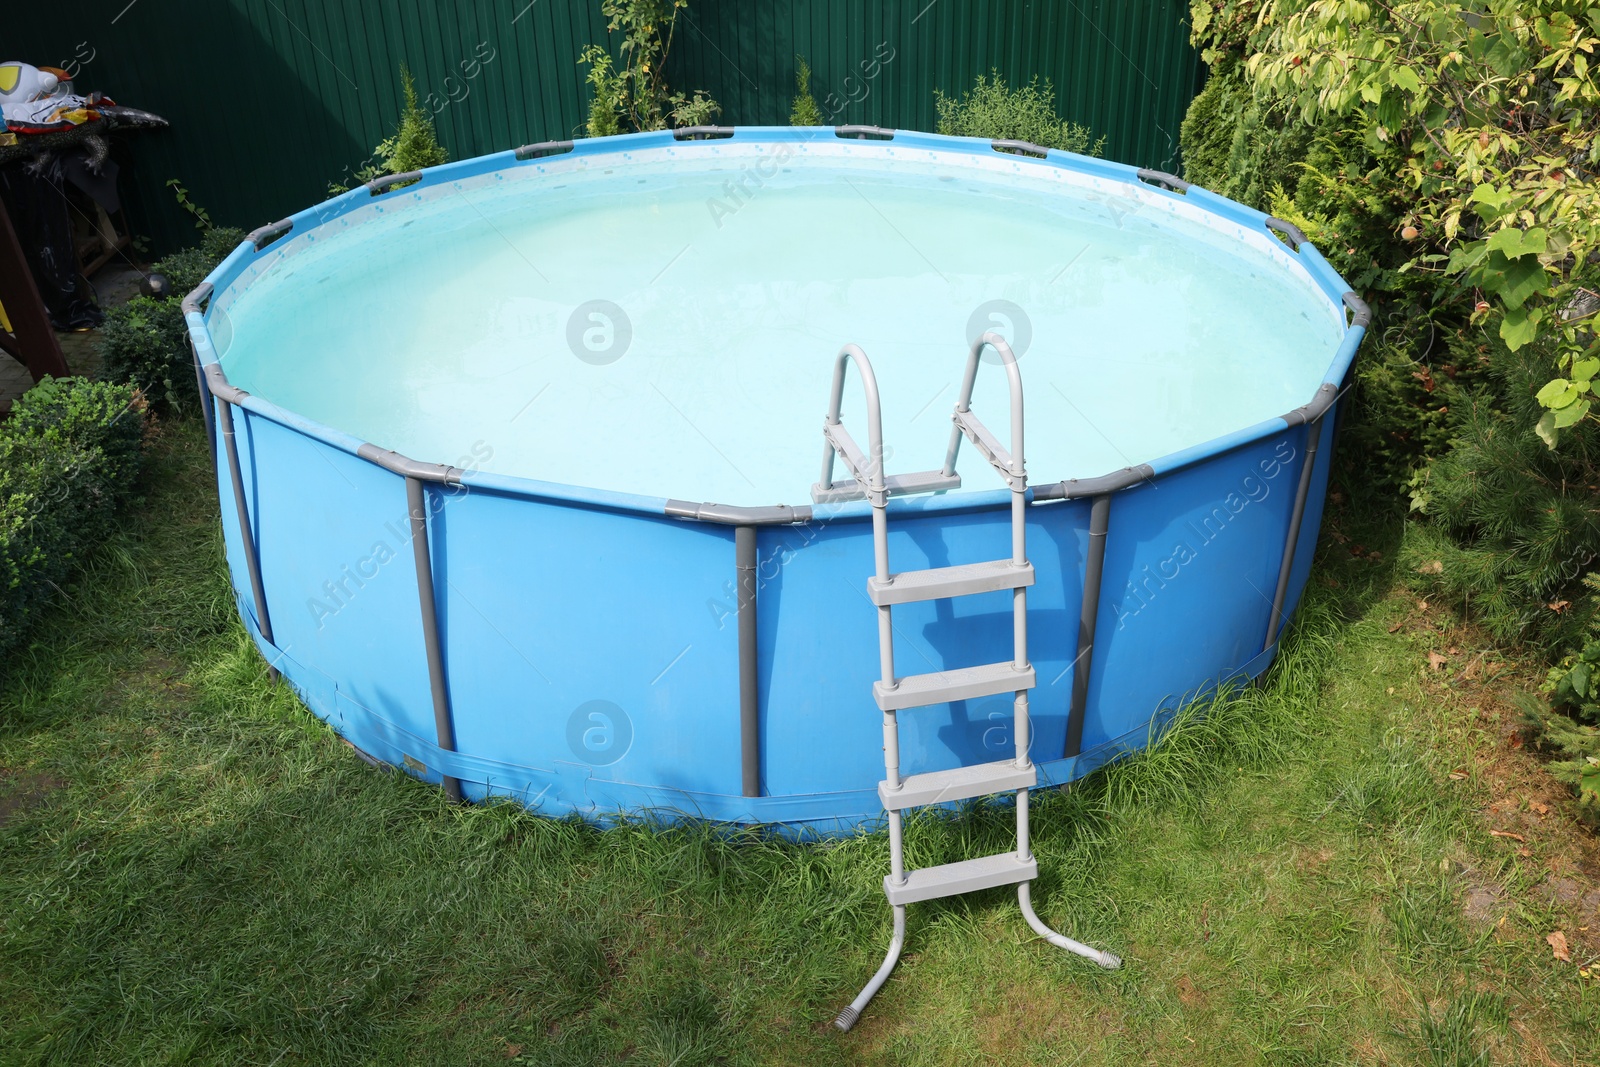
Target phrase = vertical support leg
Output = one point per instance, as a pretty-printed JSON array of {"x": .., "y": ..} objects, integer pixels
[
  {"x": 1302, "y": 491},
  {"x": 744, "y": 541},
  {"x": 247, "y": 537},
  {"x": 1094, "y": 570},
  {"x": 443, "y": 723},
  {"x": 207, "y": 413}
]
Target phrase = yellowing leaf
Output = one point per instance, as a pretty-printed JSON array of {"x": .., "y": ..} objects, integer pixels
[{"x": 1558, "y": 946}]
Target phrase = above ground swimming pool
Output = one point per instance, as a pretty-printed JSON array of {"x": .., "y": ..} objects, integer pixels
[{"x": 517, "y": 458}]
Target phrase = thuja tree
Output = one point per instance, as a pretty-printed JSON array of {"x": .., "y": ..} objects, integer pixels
[{"x": 1495, "y": 107}]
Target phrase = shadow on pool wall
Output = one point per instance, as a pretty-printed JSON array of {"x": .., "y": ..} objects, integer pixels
[{"x": 600, "y": 653}]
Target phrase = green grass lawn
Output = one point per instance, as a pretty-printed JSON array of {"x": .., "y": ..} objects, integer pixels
[{"x": 194, "y": 869}]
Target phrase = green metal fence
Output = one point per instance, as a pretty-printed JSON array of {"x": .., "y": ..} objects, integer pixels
[{"x": 272, "y": 100}]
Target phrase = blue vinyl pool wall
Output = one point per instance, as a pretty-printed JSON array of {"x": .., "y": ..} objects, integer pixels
[{"x": 600, "y": 653}]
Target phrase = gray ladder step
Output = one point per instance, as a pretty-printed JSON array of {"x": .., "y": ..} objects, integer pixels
[
  {"x": 958, "y": 783},
  {"x": 938, "y": 583},
  {"x": 896, "y": 484},
  {"x": 962, "y": 683},
  {"x": 966, "y": 876}
]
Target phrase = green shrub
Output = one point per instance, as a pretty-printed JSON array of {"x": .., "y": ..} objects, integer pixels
[
  {"x": 188, "y": 268},
  {"x": 1471, "y": 230},
  {"x": 635, "y": 96},
  {"x": 1240, "y": 145},
  {"x": 144, "y": 343},
  {"x": 68, "y": 455},
  {"x": 993, "y": 110},
  {"x": 1568, "y": 719},
  {"x": 1519, "y": 522},
  {"x": 414, "y": 145},
  {"x": 804, "y": 111},
  {"x": 75, "y": 413}
]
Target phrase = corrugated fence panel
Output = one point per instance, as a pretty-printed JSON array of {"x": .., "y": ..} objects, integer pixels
[
  {"x": 1126, "y": 70},
  {"x": 272, "y": 100}
]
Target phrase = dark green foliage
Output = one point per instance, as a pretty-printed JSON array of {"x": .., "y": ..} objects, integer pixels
[
  {"x": 188, "y": 268},
  {"x": 1442, "y": 413},
  {"x": 1567, "y": 722},
  {"x": 1240, "y": 145},
  {"x": 992, "y": 110},
  {"x": 74, "y": 413},
  {"x": 145, "y": 341},
  {"x": 1522, "y": 521},
  {"x": 69, "y": 454}
]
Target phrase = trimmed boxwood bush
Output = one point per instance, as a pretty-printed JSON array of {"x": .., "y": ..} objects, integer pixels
[
  {"x": 144, "y": 342},
  {"x": 69, "y": 454}
]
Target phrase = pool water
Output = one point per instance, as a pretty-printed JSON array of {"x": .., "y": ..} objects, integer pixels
[{"x": 667, "y": 327}]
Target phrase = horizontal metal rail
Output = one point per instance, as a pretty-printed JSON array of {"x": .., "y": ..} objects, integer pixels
[
  {"x": 1289, "y": 230},
  {"x": 733, "y": 515},
  {"x": 1170, "y": 182},
  {"x": 1021, "y": 148},
  {"x": 263, "y": 236},
  {"x": 864, "y": 133},
  {"x": 542, "y": 149},
  {"x": 379, "y": 186},
  {"x": 702, "y": 133}
]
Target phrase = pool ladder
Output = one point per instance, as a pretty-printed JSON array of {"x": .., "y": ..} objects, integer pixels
[{"x": 895, "y": 693}]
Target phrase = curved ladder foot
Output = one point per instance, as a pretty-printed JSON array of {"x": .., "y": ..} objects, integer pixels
[
  {"x": 847, "y": 1016},
  {"x": 1105, "y": 959}
]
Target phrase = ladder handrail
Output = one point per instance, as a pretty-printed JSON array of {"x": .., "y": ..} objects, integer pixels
[
  {"x": 874, "y": 477},
  {"x": 1015, "y": 470}
]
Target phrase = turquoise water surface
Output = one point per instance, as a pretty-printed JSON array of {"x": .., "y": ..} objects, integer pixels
[{"x": 649, "y": 327}]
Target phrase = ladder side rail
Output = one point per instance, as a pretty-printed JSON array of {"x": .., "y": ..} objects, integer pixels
[{"x": 873, "y": 482}]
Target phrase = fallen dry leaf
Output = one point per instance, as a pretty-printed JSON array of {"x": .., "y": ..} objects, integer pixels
[
  {"x": 1558, "y": 946},
  {"x": 1432, "y": 567},
  {"x": 1437, "y": 661},
  {"x": 1524, "y": 852},
  {"x": 1399, "y": 623},
  {"x": 1507, "y": 833},
  {"x": 1457, "y": 775},
  {"x": 1542, "y": 809}
]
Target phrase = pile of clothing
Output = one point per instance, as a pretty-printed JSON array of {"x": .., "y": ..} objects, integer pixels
[{"x": 53, "y": 136}]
